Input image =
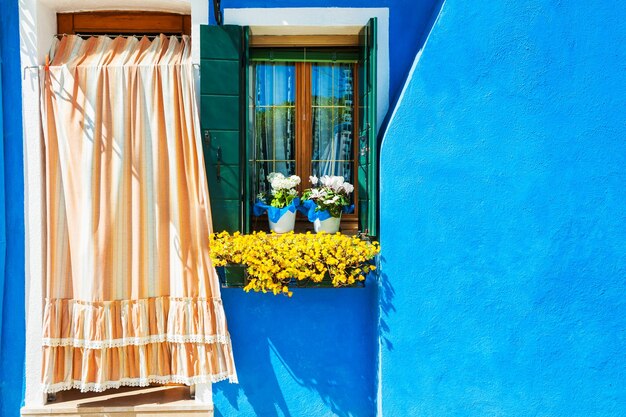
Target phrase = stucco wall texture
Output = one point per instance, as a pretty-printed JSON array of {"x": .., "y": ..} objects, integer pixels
[
  {"x": 12, "y": 315},
  {"x": 503, "y": 216}
]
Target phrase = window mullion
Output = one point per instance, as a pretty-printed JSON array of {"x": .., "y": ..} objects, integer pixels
[{"x": 303, "y": 128}]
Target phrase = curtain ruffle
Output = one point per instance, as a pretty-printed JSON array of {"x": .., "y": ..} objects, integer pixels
[
  {"x": 97, "y": 325},
  {"x": 137, "y": 365},
  {"x": 153, "y": 340}
]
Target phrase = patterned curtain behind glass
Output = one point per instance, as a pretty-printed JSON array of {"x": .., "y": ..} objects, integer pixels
[
  {"x": 332, "y": 120},
  {"x": 275, "y": 108}
]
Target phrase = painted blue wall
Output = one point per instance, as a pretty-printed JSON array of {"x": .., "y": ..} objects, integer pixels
[
  {"x": 310, "y": 355},
  {"x": 504, "y": 274},
  {"x": 12, "y": 343}
]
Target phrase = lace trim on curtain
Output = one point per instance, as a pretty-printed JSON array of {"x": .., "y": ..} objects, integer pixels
[
  {"x": 136, "y": 341},
  {"x": 98, "y": 325},
  {"x": 138, "y": 382},
  {"x": 162, "y": 363}
]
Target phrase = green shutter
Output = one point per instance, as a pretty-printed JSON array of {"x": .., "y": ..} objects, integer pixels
[
  {"x": 368, "y": 146},
  {"x": 223, "y": 121}
]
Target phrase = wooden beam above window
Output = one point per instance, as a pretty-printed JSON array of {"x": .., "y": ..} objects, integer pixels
[
  {"x": 123, "y": 22},
  {"x": 304, "y": 36},
  {"x": 265, "y": 41}
]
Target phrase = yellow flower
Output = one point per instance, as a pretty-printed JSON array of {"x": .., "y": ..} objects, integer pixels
[{"x": 272, "y": 260}]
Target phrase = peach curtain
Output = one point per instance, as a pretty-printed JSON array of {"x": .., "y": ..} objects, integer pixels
[{"x": 132, "y": 296}]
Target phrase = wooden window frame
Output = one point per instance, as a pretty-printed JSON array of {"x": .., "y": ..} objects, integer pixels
[
  {"x": 304, "y": 146},
  {"x": 123, "y": 23}
]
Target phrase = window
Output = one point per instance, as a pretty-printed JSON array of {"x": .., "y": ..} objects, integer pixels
[
  {"x": 303, "y": 116},
  {"x": 301, "y": 105}
]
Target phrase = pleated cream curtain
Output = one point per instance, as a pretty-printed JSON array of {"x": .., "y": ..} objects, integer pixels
[{"x": 132, "y": 296}]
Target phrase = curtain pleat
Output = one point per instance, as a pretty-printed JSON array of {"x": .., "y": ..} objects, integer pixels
[{"x": 132, "y": 297}]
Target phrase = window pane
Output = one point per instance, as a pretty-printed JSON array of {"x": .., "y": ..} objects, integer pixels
[
  {"x": 333, "y": 131},
  {"x": 274, "y": 121}
]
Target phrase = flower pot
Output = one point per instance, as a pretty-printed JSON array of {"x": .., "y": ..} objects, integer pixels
[
  {"x": 285, "y": 224},
  {"x": 330, "y": 225}
]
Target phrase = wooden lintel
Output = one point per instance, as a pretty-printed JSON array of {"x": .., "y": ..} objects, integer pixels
[{"x": 266, "y": 41}]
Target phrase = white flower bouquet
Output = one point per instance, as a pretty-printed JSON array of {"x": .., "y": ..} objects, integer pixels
[
  {"x": 281, "y": 211},
  {"x": 329, "y": 193},
  {"x": 283, "y": 189}
]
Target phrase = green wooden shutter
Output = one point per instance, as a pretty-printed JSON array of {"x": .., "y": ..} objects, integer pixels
[
  {"x": 223, "y": 54},
  {"x": 368, "y": 146}
]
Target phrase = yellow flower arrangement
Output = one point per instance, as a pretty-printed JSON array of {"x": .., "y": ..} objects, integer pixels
[{"x": 273, "y": 260}]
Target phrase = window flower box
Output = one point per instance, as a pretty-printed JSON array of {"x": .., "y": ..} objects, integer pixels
[
  {"x": 235, "y": 276},
  {"x": 275, "y": 263}
]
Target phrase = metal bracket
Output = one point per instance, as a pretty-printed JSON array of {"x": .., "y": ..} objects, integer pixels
[
  {"x": 217, "y": 12},
  {"x": 28, "y": 68}
]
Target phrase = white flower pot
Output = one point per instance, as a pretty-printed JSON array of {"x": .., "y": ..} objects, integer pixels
[
  {"x": 330, "y": 225},
  {"x": 285, "y": 224}
]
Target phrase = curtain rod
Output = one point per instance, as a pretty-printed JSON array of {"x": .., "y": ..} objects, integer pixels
[
  {"x": 38, "y": 67},
  {"x": 115, "y": 35}
]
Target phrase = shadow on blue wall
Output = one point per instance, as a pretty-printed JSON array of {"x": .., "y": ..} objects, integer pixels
[
  {"x": 322, "y": 340},
  {"x": 386, "y": 294}
]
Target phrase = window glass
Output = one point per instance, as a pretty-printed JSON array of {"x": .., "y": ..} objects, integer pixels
[
  {"x": 332, "y": 120},
  {"x": 274, "y": 120}
]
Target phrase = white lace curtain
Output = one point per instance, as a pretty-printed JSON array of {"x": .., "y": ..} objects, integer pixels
[{"x": 132, "y": 296}]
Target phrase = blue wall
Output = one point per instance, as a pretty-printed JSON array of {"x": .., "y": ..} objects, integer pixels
[
  {"x": 504, "y": 283},
  {"x": 310, "y": 355},
  {"x": 12, "y": 344}
]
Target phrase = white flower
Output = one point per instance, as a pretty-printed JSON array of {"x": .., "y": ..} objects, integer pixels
[
  {"x": 295, "y": 179},
  {"x": 313, "y": 179},
  {"x": 336, "y": 183},
  {"x": 273, "y": 175},
  {"x": 348, "y": 188},
  {"x": 279, "y": 182},
  {"x": 317, "y": 193}
]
